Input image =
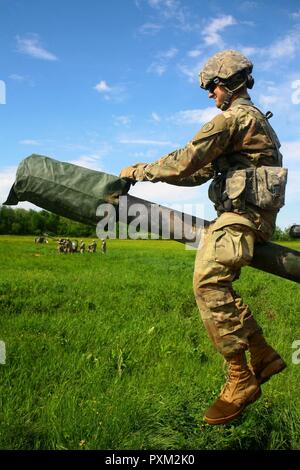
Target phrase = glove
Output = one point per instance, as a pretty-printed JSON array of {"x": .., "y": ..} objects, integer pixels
[
  {"x": 128, "y": 172},
  {"x": 134, "y": 172}
]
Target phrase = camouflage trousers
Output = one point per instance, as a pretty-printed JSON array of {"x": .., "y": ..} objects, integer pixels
[{"x": 227, "y": 246}]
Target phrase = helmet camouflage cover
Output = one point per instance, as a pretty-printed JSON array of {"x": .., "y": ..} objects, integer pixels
[{"x": 222, "y": 66}]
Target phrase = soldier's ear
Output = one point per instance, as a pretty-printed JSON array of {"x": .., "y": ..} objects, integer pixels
[{"x": 250, "y": 81}]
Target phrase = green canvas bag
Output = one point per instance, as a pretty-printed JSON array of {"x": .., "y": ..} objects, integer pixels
[{"x": 65, "y": 189}]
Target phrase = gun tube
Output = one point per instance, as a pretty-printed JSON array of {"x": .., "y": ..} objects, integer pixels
[{"x": 269, "y": 257}]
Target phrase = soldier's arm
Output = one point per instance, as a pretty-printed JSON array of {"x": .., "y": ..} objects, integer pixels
[
  {"x": 208, "y": 144},
  {"x": 197, "y": 178}
]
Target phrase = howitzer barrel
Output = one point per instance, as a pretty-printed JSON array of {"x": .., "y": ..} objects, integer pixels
[
  {"x": 77, "y": 193},
  {"x": 277, "y": 259},
  {"x": 269, "y": 257},
  {"x": 50, "y": 236},
  {"x": 162, "y": 221},
  {"x": 294, "y": 231}
]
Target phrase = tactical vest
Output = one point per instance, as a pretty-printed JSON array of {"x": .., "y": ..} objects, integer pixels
[{"x": 234, "y": 188}]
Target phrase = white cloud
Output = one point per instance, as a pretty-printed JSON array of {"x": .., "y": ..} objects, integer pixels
[
  {"x": 248, "y": 5},
  {"x": 163, "y": 193},
  {"x": 281, "y": 97},
  {"x": 163, "y": 58},
  {"x": 169, "y": 8},
  {"x": 31, "y": 46},
  {"x": 74, "y": 147},
  {"x": 21, "y": 79},
  {"x": 16, "y": 77},
  {"x": 149, "y": 154},
  {"x": 296, "y": 15},
  {"x": 249, "y": 50},
  {"x": 173, "y": 13},
  {"x": 92, "y": 161},
  {"x": 29, "y": 142},
  {"x": 155, "y": 117},
  {"x": 265, "y": 100},
  {"x": 102, "y": 87},
  {"x": 2, "y": 92},
  {"x": 191, "y": 116},
  {"x": 150, "y": 28},
  {"x": 155, "y": 3},
  {"x": 122, "y": 120},
  {"x": 147, "y": 142},
  {"x": 177, "y": 197},
  {"x": 114, "y": 93},
  {"x": 157, "y": 69},
  {"x": 211, "y": 31},
  {"x": 285, "y": 47},
  {"x": 7, "y": 178},
  {"x": 291, "y": 152},
  {"x": 293, "y": 189},
  {"x": 194, "y": 53},
  {"x": 168, "y": 54},
  {"x": 190, "y": 71},
  {"x": 295, "y": 96}
]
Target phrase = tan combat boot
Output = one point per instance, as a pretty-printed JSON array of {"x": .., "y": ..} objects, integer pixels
[
  {"x": 265, "y": 361},
  {"x": 240, "y": 390}
]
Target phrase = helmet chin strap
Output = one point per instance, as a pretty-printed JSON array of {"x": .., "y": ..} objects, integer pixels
[
  {"x": 227, "y": 100},
  {"x": 228, "y": 97}
]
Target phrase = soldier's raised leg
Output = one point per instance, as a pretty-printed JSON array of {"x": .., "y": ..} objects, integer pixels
[{"x": 229, "y": 322}]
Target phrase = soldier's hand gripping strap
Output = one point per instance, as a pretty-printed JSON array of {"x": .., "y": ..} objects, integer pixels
[{"x": 263, "y": 187}]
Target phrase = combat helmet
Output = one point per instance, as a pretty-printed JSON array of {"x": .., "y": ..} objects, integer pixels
[{"x": 230, "y": 69}]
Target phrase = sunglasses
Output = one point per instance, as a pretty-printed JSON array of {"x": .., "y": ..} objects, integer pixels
[{"x": 211, "y": 87}]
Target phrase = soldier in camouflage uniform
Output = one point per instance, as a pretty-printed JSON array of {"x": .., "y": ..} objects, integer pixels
[
  {"x": 82, "y": 246},
  {"x": 239, "y": 151},
  {"x": 92, "y": 247},
  {"x": 103, "y": 245},
  {"x": 60, "y": 245},
  {"x": 68, "y": 246}
]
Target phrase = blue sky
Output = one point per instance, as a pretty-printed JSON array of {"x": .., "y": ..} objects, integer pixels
[{"x": 108, "y": 83}]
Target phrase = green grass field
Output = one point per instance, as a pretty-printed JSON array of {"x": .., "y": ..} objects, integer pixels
[{"x": 109, "y": 352}]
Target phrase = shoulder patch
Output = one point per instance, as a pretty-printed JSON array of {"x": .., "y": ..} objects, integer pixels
[
  {"x": 208, "y": 126},
  {"x": 216, "y": 126}
]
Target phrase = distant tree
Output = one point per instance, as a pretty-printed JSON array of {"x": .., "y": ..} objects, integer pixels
[
  {"x": 30, "y": 222},
  {"x": 281, "y": 235},
  {"x": 6, "y": 219}
]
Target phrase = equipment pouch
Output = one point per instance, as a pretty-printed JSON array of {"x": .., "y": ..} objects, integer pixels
[
  {"x": 216, "y": 189},
  {"x": 265, "y": 187},
  {"x": 235, "y": 188}
]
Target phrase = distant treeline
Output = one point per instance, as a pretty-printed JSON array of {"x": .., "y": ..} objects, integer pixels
[
  {"x": 282, "y": 235},
  {"x": 31, "y": 222}
]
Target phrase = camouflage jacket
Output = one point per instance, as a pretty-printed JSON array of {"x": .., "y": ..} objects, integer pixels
[
  {"x": 241, "y": 134},
  {"x": 237, "y": 138}
]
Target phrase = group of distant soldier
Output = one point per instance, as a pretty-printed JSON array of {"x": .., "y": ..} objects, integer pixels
[
  {"x": 65, "y": 245},
  {"x": 40, "y": 240}
]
